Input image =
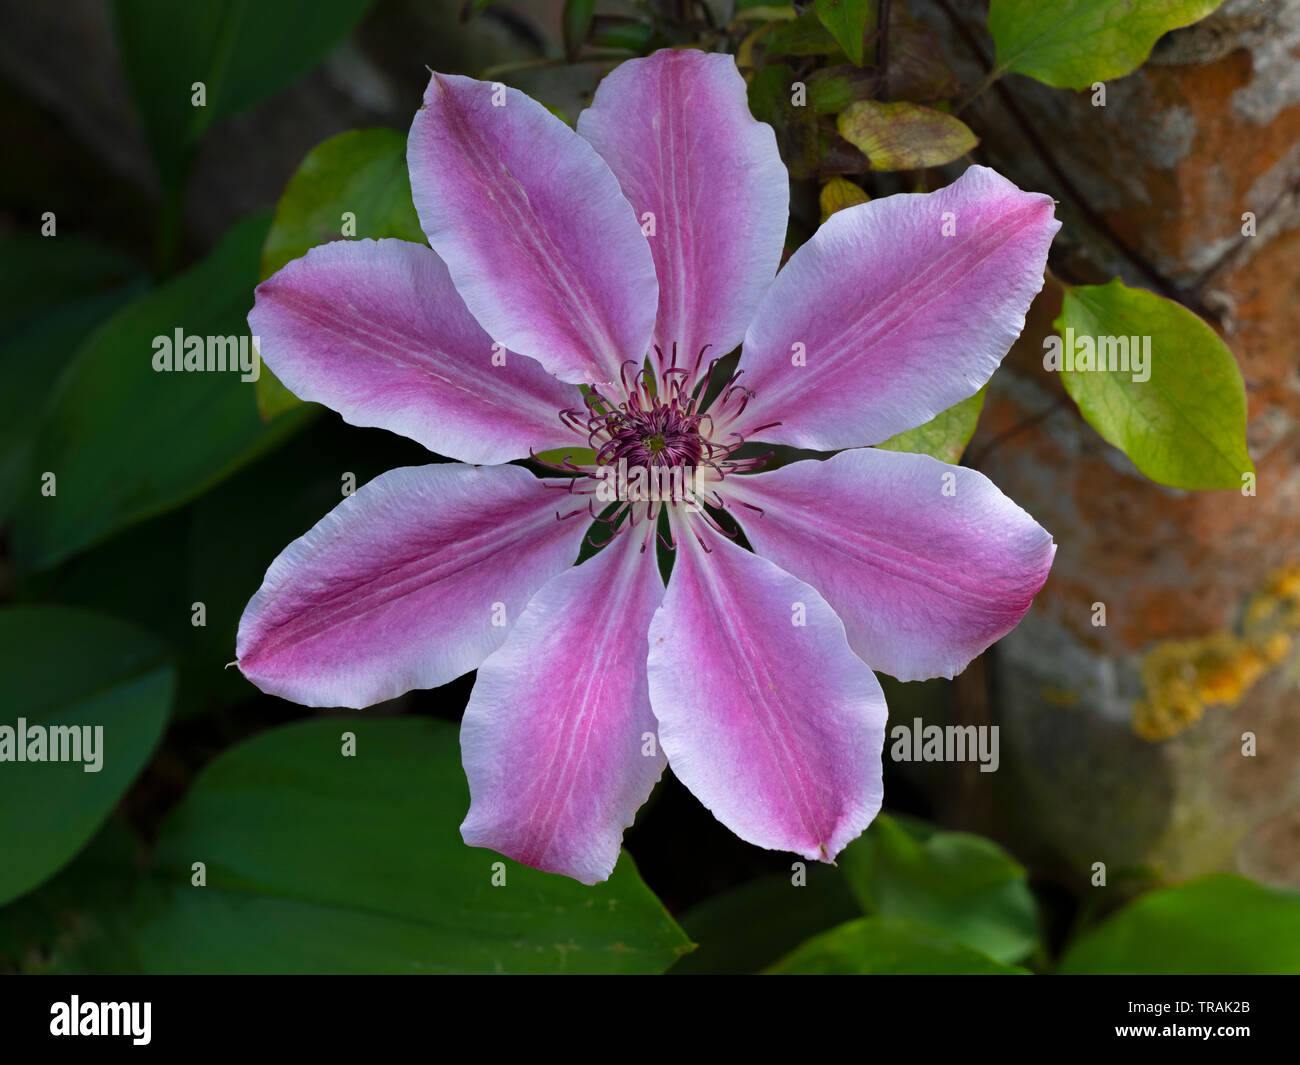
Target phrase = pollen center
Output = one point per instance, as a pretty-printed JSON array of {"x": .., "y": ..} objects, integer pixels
[
  {"x": 654, "y": 434},
  {"x": 655, "y": 444}
]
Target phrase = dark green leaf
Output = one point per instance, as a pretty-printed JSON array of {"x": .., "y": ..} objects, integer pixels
[
  {"x": 804, "y": 35},
  {"x": 124, "y": 441},
  {"x": 832, "y": 89},
  {"x": 771, "y": 100},
  {"x": 964, "y": 885},
  {"x": 1215, "y": 925},
  {"x": 60, "y": 925},
  {"x": 576, "y": 25},
  {"x": 242, "y": 51},
  {"x": 53, "y": 293},
  {"x": 318, "y": 862},
  {"x": 892, "y": 946},
  {"x": 918, "y": 69},
  {"x": 215, "y": 551},
  {"x": 43, "y": 274},
  {"x": 742, "y": 930},
  {"x": 72, "y": 671},
  {"x": 627, "y": 34}
]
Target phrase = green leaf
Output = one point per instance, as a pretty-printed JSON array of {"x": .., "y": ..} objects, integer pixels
[
  {"x": 242, "y": 51},
  {"x": 627, "y": 34},
  {"x": 848, "y": 22},
  {"x": 362, "y": 172},
  {"x": 53, "y": 293},
  {"x": 576, "y": 25},
  {"x": 317, "y": 862},
  {"x": 944, "y": 436},
  {"x": 1214, "y": 925},
  {"x": 124, "y": 441},
  {"x": 1071, "y": 44},
  {"x": 58, "y": 926},
  {"x": 579, "y": 456},
  {"x": 831, "y": 89},
  {"x": 964, "y": 885},
  {"x": 39, "y": 275},
  {"x": 762, "y": 10},
  {"x": 71, "y": 670},
  {"x": 742, "y": 930},
  {"x": 918, "y": 70},
  {"x": 903, "y": 135},
  {"x": 804, "y": 35},
  {"x": 796, "y": 127},
  {"x": 215, "y": 551},
  {"x": 886, "y": 946},
  {"x": 1186, "y": 425}
]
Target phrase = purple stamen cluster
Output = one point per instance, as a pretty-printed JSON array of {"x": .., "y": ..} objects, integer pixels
[{"x": 661, "y": 423}]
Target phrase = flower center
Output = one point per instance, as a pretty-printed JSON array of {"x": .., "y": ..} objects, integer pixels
[
  {"x": 653, "y": 434},
  {"x": 655, "y": 444}
]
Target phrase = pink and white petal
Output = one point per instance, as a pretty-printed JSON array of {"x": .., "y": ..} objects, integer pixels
[
  {"x": 408, "y": 583},
  {"x": 881, "y": 321},
  {"x": 927, "y": 564},
  {"x": 558, "y": 741},
  {"x": 375, "y": 330},
  {"x": 675, "y": 128},
  {"x": 765, "y": 713},
  {"x": 542, "y": 245}
]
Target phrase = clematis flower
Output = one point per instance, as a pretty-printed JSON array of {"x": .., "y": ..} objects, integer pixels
[{"x": 576, "y": 293}]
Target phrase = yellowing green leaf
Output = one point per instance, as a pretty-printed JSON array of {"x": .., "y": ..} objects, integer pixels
[
  {"x": 904, "y": 136},
  {"x": 839, "y": 193},
  {"x": 1073, "y": 43},
  {"x": 1183, "y": 420}
]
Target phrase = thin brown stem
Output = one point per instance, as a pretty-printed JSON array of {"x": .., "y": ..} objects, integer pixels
[
  {"x": 882, "y": 48},
  {"x": 1021, "y": 426}
]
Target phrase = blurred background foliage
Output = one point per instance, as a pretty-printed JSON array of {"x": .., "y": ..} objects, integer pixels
[{"x": 130, "y": 212}]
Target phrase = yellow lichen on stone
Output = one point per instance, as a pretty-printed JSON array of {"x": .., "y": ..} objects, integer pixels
[{"x": 1182, "y": 678}]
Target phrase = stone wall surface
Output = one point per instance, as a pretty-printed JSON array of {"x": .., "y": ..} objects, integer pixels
[{"x": 1124, "y": 743}]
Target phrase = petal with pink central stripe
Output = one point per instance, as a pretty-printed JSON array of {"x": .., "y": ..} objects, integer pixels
[
  {"x": 765, "y": 713},
  {"x": 558, "y": 740},
  {"x": 374, "y": 330},
  {"x": 675, "y": 128},
  {"x": 408, "y": 583},
  {"x": 894, "y": 311},
  {"x": 541, "y": 243},
  {"x": 928, "y": 564}
]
